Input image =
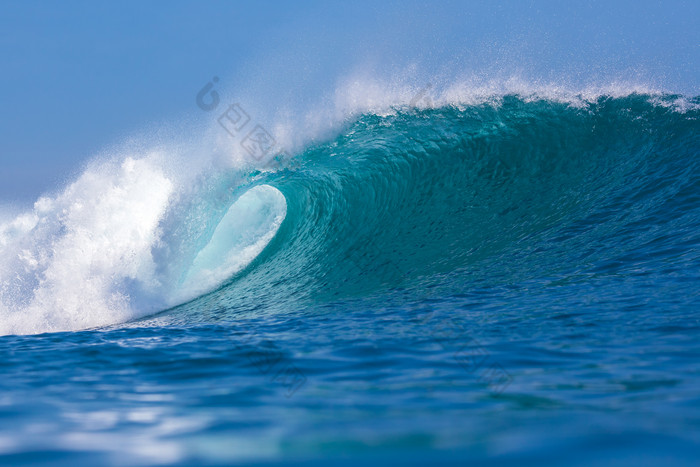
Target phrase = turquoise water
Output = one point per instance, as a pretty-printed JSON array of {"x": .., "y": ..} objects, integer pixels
[{"x": 515, "y": 280}]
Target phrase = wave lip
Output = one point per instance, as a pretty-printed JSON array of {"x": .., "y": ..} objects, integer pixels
[{"x": 248, "y": 226}]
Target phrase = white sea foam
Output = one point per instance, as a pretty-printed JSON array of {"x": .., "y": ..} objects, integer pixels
[{"x": 99, "y": 252}]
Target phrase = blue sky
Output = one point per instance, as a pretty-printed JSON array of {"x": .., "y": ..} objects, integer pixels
[{"x": 82, "y": 75}]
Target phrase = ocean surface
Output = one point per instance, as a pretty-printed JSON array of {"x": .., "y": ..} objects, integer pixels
[{"x": 513, "y": 279}]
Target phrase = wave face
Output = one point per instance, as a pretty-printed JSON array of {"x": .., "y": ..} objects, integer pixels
[
  {"x": 406, "y": 204},
  {"x": 423, "y": 204}
]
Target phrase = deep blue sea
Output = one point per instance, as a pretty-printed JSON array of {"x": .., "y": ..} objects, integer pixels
[{"x": 511, "y": 281}]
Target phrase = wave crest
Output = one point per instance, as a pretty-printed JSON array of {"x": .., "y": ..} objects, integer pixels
[{"x": 409, "y": 191}]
